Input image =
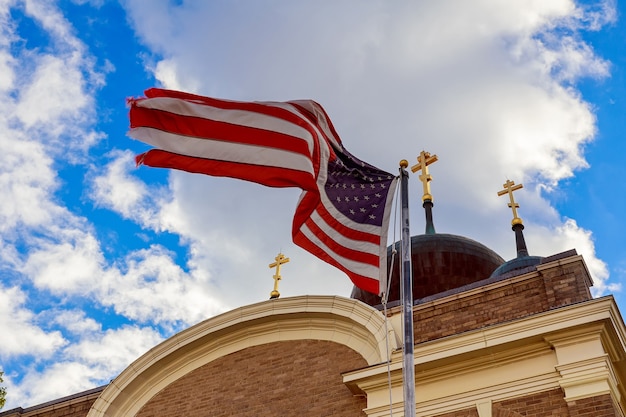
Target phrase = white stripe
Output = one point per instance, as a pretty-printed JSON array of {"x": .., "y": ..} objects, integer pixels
[
  {"x": 223, "y": 151},
  {"x": 359, "y": 268},
  {"x": 383, "y": 242},
  {"x": 238, "y": 117},
  {"x": 346, "y": 242},
  {"x": 321, "y": 118}
]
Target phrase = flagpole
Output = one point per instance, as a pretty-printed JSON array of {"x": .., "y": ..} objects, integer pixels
[{"x": 406, "y": 288}]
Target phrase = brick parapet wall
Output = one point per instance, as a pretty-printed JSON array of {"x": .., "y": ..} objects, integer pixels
[
  {"x": 288, "y": 378},
  {"x": 566, "y": 284},
  {"x": 462, "y": 413},
  {"x": 76, "y": 409},
  {"x": 544, "y": 404},
  {"x": 599, "y": 406},
  {"x": 514, "y": 298},
  {"x": 76, "y": 405},
  {"x": 552, "y": 403}
]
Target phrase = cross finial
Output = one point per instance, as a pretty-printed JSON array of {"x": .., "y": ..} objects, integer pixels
[
  {"x": 280, "y": 259},
  {"x": 509, "y": 187},
  {"x": 423, "y": 161}
]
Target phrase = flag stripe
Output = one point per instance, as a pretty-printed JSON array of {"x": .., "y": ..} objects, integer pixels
[
  {"x": 359, "y": 268},
  {"x": 368, "y": 281},
  {"x": 233, "y": 125},
  {"x": 326, "y": 222},
  {"x": 224, "y": 150},
  {"x": 266, "y": 175},
  {"x": 341, "y": 245}
]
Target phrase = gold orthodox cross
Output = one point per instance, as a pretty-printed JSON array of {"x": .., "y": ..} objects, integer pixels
[
  {"x": 423, "y": 161},
  {"x": 509, "y": 187},
  {"x": 280, "y": 259}
]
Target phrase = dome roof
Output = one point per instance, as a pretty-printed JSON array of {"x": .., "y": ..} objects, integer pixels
[
  {"x": 440, "y": 262},
  {"x": 517, "y": 264}
]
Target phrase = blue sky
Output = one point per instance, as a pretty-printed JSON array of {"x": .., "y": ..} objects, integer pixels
[{"x": 100, "y": 260}]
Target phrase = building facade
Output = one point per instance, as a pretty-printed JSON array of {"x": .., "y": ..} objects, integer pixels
[{"x": 529, "y": 342}]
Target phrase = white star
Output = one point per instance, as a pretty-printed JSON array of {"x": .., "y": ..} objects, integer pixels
[
  {"x": 372, "y": 216},
  {"x": 362, "y": 210}
]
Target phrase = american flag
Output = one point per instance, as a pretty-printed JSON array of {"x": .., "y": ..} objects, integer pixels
[{"x": 343, "y": 212}]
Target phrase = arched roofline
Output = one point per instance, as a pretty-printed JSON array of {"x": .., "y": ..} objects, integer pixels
[{"x": 331, "y": 318}]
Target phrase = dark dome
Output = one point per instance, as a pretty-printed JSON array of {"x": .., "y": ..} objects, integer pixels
[
  {"x": 517, "y": 264},
  {"x": 440, "y": 262}
]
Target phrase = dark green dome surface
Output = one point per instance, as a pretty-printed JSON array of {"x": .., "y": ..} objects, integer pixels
[
  {"x": 517, "y": 264},
  {"x": 440, "y": 262}
]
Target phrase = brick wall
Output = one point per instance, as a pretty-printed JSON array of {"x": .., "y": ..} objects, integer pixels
[
  {"x": 566, "y": 284},
  {"x": 78, "y": 408},
  {"x": 545, "y": 404},
  {"x": 552, "y": 288},
  {"x": 463, "y": 413},
  {"x": 600, "y": 406},
  {"x": 289, "y": 378}
]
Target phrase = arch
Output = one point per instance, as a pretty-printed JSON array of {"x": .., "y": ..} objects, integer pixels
[{"x": 331, "y": 318}]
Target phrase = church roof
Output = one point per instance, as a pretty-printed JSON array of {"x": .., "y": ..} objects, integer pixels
[{"x": 440, "y": 262}]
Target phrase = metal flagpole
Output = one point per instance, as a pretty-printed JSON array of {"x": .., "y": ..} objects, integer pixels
[{"x": 406, "y": 287}]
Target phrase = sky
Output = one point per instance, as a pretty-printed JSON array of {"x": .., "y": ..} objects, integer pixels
[{"x": 101, "y": 260}]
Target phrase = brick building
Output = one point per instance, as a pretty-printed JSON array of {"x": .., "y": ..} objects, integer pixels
[{"x": 492, "y": 339}]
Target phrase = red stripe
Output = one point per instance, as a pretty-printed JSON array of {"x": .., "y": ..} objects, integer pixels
[
  {"x": 270, "y": 176},
  {"x": 202, "y": 128},
  {"x": 313, "y": 120},
  {"x": 345, "y": 230},
  {"x": 365, "y": 283},
  {"x": 307, "y": 204},
  {"x": 344, "y": 251}
]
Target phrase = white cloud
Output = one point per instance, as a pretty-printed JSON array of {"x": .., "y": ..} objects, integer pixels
[
  {"x": 166, "y": 72},
  {"x": 69, "y": 265},
  {"x": 119, "y": 191},
  {"x": 36, "y": 387},
  {"x": 569, "y": 235},
  {"x": 151, "y": 287},
  {"x": 76, "y": 322},
  {"x": 113, "y": 349},
  {"x": 26, "y": 182},
  {"x": 21, "y": 330},
  {"x": 83, "y": 365}
]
